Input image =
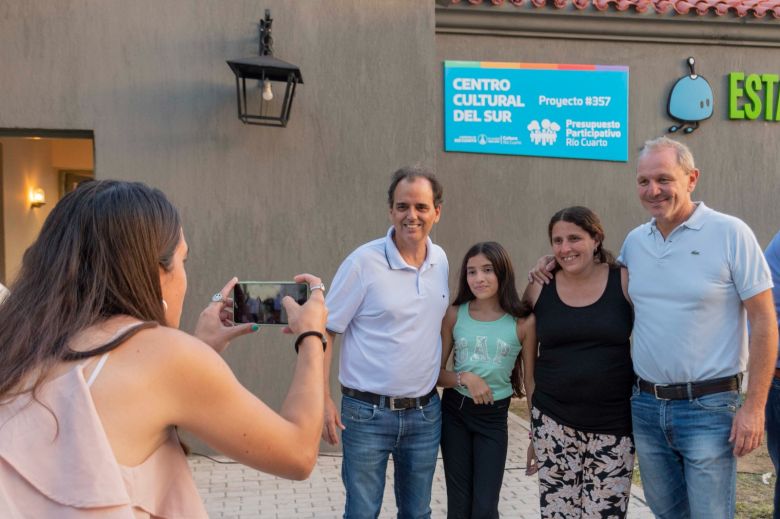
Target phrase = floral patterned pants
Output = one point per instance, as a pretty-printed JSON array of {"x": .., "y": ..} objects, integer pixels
[{"x": 581, "y": 474}]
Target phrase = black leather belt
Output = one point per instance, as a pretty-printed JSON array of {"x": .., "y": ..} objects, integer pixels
[
  {"x": 691, "y": 389},
  {"x": 394, "y": 403}
]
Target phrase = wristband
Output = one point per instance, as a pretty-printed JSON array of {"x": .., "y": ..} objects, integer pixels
[
  {"x": 458, "y": 383},
  {"x": 311, "y": 333}
]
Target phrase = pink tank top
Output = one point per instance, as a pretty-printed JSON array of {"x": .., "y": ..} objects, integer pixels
[{"x": 70, "y": 471}]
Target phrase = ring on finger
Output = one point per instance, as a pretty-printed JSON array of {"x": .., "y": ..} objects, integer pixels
[{"x": 217, "y": 298}]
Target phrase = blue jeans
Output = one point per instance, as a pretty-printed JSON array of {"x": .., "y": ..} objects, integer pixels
[
  {"x": 773, "y": 435},
  {"x": 372, "y": 433},
  {"x": 685, "y": 459}
]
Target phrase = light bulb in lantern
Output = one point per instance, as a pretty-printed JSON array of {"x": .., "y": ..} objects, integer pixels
[{"x": 268, "y": 94}]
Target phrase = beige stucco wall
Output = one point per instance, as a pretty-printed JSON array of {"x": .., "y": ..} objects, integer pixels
[
  {"x": 511, "y": 198},
  {"x": 150, "y": 79}
]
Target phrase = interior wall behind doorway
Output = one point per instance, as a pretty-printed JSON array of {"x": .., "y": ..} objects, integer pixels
[{"x": 30, "y": 163}]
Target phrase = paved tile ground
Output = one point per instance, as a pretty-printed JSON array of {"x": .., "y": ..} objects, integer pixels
[{"x": 231, "y": 490}]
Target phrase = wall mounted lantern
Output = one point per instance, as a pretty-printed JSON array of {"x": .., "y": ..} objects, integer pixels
[
  {"x": 261, "y": 109},
  {"x": 37, "y": 197}
]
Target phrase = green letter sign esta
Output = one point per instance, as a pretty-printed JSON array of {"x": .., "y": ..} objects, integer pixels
[{"x": 753, "y": 94}]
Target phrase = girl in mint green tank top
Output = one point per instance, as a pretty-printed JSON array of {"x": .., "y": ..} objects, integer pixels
[{"x": 493, "y": 337}]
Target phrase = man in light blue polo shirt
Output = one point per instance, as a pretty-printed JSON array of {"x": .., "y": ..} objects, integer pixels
[
  {"x": 772, "y": 255},
  {"x": 694, "y": 276},
  {"x": 388, "y": 299}
]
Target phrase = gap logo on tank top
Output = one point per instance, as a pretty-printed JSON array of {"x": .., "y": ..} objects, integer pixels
[{"x": 480, "y": 353}]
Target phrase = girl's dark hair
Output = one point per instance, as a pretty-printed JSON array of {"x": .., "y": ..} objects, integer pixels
[
  {"x": 502, "y": 266},
  {"x": 98, "y": 255},
  {"x": 507, "y": 293},
  {"x": 589, "y": 222}
]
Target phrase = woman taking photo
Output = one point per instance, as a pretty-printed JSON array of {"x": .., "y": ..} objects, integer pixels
[
  {"x": 581, "y": 416},
  {"x": 488, "y": 326},
  {"x": 95, "y": 377}
]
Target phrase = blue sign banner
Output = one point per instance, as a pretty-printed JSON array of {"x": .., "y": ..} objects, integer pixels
[{"x": 536, "y": 109}]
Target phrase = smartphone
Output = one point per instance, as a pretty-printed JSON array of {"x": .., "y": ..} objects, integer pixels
[{"x": 261, "y": 301}]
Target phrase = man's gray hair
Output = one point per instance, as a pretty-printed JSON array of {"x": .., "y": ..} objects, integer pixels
[{"x": 683, "y": 153}]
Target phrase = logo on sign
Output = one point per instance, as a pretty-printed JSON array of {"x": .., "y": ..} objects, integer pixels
[{"x": 544, "y": 133}]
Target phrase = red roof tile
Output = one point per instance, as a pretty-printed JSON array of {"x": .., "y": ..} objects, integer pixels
[{"x": 741, "y": 8}]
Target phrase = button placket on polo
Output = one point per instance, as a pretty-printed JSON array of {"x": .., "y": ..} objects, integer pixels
[
  {"x": 660, "y": 246},
  {"x": 420, "y": 279}
]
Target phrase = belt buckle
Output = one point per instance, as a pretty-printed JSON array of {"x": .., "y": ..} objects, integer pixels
[
  {"x": 655, "y": 391},
  {"x": 392, "y": 404}
]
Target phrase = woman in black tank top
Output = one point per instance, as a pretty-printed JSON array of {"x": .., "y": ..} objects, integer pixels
[{"x": 581, "y": 414}]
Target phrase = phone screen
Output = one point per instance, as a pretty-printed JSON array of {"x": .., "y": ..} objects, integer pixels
[{"x": 261, "y": 301}]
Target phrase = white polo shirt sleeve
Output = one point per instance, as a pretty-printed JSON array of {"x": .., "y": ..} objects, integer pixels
[
  {"x": 749, "y": 269},
  {"x": 345, "y": 296}
]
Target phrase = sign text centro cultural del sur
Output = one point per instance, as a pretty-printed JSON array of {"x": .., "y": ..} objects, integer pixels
[{"x": 538, "y": 109}]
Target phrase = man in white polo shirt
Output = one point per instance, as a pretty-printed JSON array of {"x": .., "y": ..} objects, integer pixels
[
  {"x": 694, "y": 276},
  {"x": 388, "y": 299}
]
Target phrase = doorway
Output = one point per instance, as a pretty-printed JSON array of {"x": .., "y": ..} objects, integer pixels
[{"x": 37, "y": 168}]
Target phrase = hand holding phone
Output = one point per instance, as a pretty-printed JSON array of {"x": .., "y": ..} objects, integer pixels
[
  {"x": 312, "y": 316},
  {"x": 215, "y": 324},
  {"x": 261, "y": 301}
]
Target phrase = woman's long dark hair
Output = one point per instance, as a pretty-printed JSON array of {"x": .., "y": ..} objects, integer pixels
[
  {"x": 507, "y": 292},
  {"x": 589, "y": 222},
  {"x": 98, "y": 255}
]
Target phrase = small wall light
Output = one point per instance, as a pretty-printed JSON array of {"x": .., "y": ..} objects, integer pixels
[
  {"x": 37, "y": 197},
  {"x": 267, "y": 70}
]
